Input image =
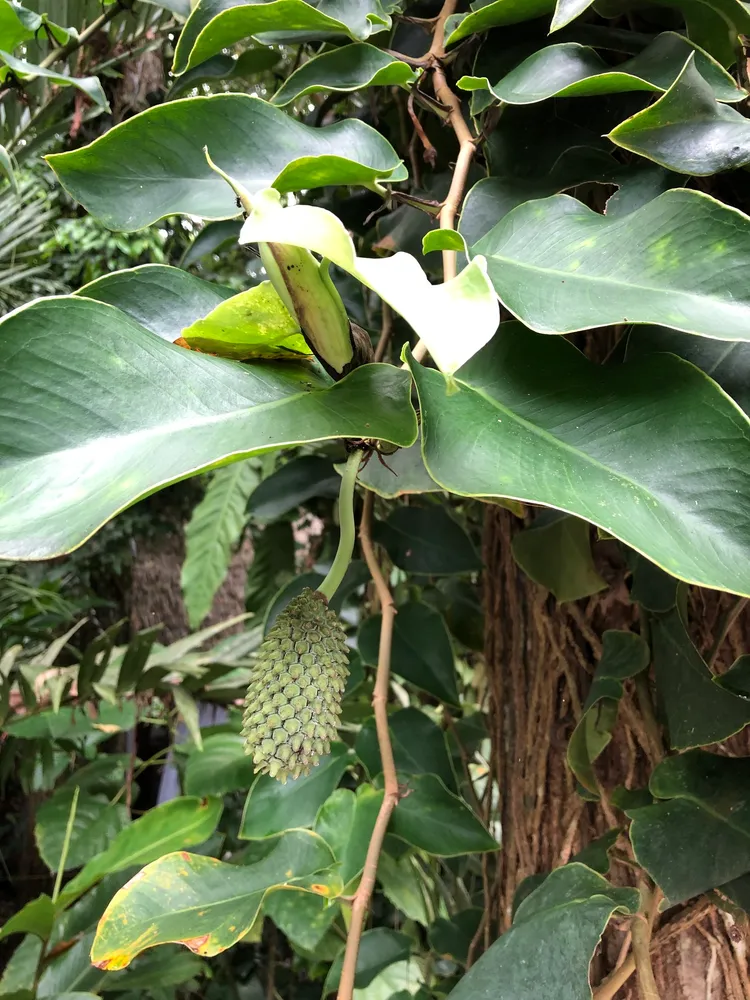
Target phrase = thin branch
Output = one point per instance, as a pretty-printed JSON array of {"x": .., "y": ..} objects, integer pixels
[
  {"x": 390, "y": 798},
  {"x": 386, "y": 327}
]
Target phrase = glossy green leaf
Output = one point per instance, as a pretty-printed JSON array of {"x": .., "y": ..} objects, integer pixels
[
  {"x": 346, "y": 821},
  {"x": 272, "y": 807},
  {"x": 304, "y": 917},
  {"x": 700, "y": 837},
  {"x": 179, "y": 823},
  {"x": 73, "y": 724},
  {"x": 251, "y": 140},
  {"x": 136, "y": 413},
  {"x": 403, "y": 885},
  {"x": 36, "y": 917},
  {"x": 13, "y": 31},
  {"x": 378, "y": 948},
  {"x": 434, "y": 311},
  {"x": 737, "y": 678},
  {"x": 23, "y": 70},
  {"x": 573, "y": 70},
  {"x": 726, "y": 363},
  {"x": 20, "y": 969},
  {"x": 211, "y": 535},
  {"x": 418, "y": 746},
  {"x": 608, "y": 444},
  {"x": 70, "y": 973},
  {"x": 491, "y": 198},
  {"x": 428, "y": 541},
  {"x": 451, "y": 937},
  {"x": 560, "y": 267},
  {"x": 292, "y": 484},
  {"x": 400, "y": 474},
  {"x": 216, "y": 24},
  {"x": 162, "y": 299},
  {"x": 698, "y": 711},
  {"x": 212, "y": 238},
  {"x": 422, "y": 653},
  {"x": 169, "y": 966},
  {"x": 351, "y": 67},
  {"x": 556, "y": 553},
  {"x": 222, "y": 67},
  {"x": 437, "y": 821},
  {"x": 221, "y": 767},
  {"x": 355, "y": 577},
  {"x": 188, "y": 713},
  {"x": 203, "y": 903},
  {"x": 651, "y": 587},
  {"x": 687, "y": 129},
  {"x": 568, "y": 914},
  {"x": 493, "y": 15},
  {"x": 624, "y": 654},
  {"x": 95, "y": 824},
  {"x": 253, "y": 324}
]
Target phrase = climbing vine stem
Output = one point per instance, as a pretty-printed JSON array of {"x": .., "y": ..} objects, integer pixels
[{"x": 361, "y": 902}]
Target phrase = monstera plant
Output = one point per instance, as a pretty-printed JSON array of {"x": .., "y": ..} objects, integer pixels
[{"x": 496, "y": 264}]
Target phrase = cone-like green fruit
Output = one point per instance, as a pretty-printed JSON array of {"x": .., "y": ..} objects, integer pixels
[{"x": 294, "y": 698}]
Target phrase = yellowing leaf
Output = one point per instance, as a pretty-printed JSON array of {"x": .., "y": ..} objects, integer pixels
[{"x": 254, "y": 324}]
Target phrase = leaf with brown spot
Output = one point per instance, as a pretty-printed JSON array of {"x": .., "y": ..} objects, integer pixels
[{"x": 205, "y": 904}]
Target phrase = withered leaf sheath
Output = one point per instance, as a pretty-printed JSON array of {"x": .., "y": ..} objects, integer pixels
[{"x": 294, "y": 698}]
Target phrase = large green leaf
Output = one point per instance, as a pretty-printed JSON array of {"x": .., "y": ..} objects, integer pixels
[
  {"x": 303, "y": 917},
  {"x": 700, "y": 837},
  {"x": 179, "y": 823},
  {"x": 687, "y": 129},
  {"x": 435, "y": 820},
  {"x": 418, "y": 746},
  {"x": 573, "y": 70},
  {"x": 608, "y": 444},
  {"x": 222, "y": 766},
  {"x": 348, "y": 68},
  {"x": 135, "y": 413},
  {"x": 203, "y": 903},
  {"x": 272, "y": 807},
  {"x": 560, "y": 267},
  {"x": 153, "y": 165},
  {"x": 698, "y": 711},
  {"x": 565, "y": 916},
  {"x": 292, "y": 484},
  {"x": 162, "y": 299},
  {"x": 217, "y": 24},
  {"x": 211, "y": 535},
  {"x": 422, "y": 653},
  {"x": 346, "y": 821},
  {"x": 427, "y": 541},
  {"x": 379, "y": 948},
  {"x": 399, "y": 474},
  {"x": 726, "y": 363},
  {"x": 494, "y": 14},
  {"x": 95, "y": 824},
  {"x": 36, "y": 917},
  {"x": 624, "y": 654}
]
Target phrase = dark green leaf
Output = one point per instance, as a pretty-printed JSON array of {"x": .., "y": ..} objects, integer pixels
[
  {"x": 418, "y": 746},
  {"x": 211, "y": 239},
  {"x": 572, "y": 70},
  {"x": 451, "y": 938},
  {"x": 221, "y": 767},
  {"x": 303, "y": 917},
  {"x": 399, "y": 474},
  {"x": 737, "y": 678},
  {"x": 700, "y": 837},
  {"x": 221, "y": 67},
  {"x": 254, "y": 142},
  {"x": 378, "y": 949},
  {"x": 652, "y": 588},
  {"x": 136, "y": 413},
  {"x": 356, "y": 575},
  {"x": 346, "y": 821},
  {"x": 291, "y": 485},
  {"x": 272, "y": 807},
  {"x": 608, "y": 445},
  {"x": 560, "y": 267},
  {"x": 624, "y": 654},
  {"x": 348, "y": 68},
  {"x": 36, "y": 917},
  {"x": 203, "y": 903},
  {"x": 421, "y": 653},
  {"x": 698, "y": 711},
  {"x": 494, "y": 14},
  {"x": 23, "y": 70},
  {"x": 556, "y": 552},
  {"x": 135, "y": 659},
  {"x": 687, "y": 129},
  {"x": 427, "y": 540},
  {"x": 567, "y": 913},
  {"x": 437, "y": 821}
]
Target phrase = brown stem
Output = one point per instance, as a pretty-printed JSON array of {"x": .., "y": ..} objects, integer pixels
[
  {"x": 430, "y": 153},
  {"x": 617, "y": 979},
  {"x": 642, "y": 927},
  {"x": 386, "y": 326},
  {"x": 391, "y": 792}
]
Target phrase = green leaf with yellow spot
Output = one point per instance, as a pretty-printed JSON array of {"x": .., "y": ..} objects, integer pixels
[
  {"x": 254, "y": 324},
  {"x": 205, "y": 904},
  {"x": 679, "y": 261}
]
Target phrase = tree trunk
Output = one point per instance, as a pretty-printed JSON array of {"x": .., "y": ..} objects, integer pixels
[{"x": 540, "y": 656}]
